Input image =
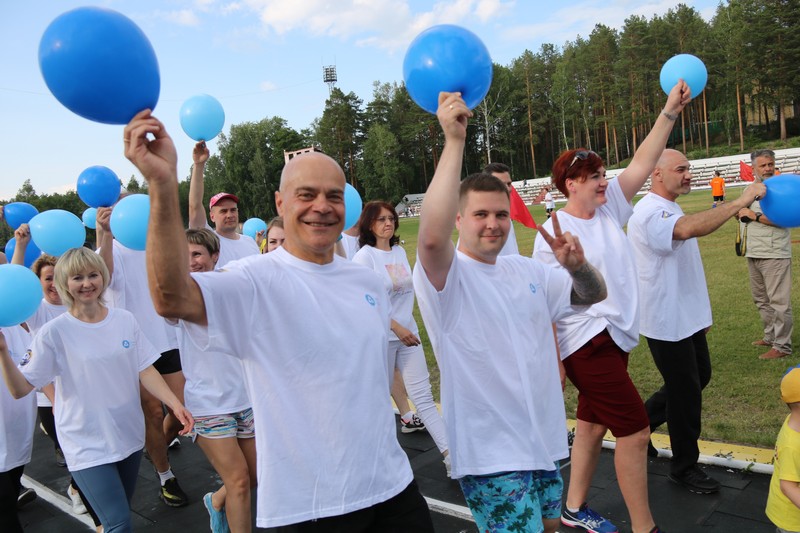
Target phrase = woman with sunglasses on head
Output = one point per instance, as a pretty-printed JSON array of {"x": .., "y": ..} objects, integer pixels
[
  {"x": 381, "y": 253},
  {"x": 594, "y": 345}
]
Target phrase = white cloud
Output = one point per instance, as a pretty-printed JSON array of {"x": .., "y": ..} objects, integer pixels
[
  {"x": 183, "y": 17},
  {"x": 267, "y": 86}
]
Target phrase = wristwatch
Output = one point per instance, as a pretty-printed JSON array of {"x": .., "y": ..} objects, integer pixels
[{"x": 758, "y": 217}]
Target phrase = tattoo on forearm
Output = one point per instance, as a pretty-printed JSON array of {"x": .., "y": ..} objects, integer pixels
[{"x": 588, "y": 286}]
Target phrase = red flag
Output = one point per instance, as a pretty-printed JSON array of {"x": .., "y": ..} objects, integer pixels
[
  {"x": 519, "y": 211},
  {"x": 745, "y": 172}
]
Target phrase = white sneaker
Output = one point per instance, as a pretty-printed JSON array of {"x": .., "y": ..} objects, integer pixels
[{"x": 77, "y": 503}]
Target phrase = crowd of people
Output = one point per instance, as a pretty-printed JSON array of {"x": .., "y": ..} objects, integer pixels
[{"x": 256, "y": 347}]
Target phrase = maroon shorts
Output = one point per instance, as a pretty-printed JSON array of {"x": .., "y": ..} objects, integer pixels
[{"x": 606, "y": 394}]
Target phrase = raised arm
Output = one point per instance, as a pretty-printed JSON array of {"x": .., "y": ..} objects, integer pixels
[
  {"x": 22, "y": 236},
  {"x": 174, "y": 292},
  {"x": 17, "y": 385},
  {"x": 704, "y": 222},
  {"x": 440, "y": 204},
  {"x": 646, "y": 157},
  {"x": 197, "y": 212},
  {"x": 105, "y": 239}
]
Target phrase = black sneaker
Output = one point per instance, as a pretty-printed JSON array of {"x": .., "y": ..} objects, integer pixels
[
  {"x": 410, "y": 427},
  {"x": 25, "y": 497},
  {"x": 60, "y": 461},
  {"x": 172, "y": 494},
  {"x": 695, "y": 480},
  {"x": 651, "y": 450}
]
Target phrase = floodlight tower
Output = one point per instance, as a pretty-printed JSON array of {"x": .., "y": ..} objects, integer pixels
[{"x": 329, "y": 77}]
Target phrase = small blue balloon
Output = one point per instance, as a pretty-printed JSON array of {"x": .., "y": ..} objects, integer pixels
[
  {"x": 447, "y": 58},
  {"x": 18, "y": 213},
  {"x": 687, "y": 67},
  {"x": 32, "y": 252},
  {"x": 781, "y": 202},
  {"x": 56, "y": 231},
  {"x": 129, "y": 221},
  {"x": 252, "y": 226},
  {"x": 89, "y": 217},
  {"x": 20, "y": 295},
  {"x": 99, "y": 65},
  {"x": 202, "y": 117},
  {"x": 98, "y": 186},
  {"x": 352, "y": 206}
]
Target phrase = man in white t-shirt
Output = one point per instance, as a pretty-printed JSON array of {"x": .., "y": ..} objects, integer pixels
[
  {"x": 549, "y": 203},
  {"x": 223, "y": 209},
  {"x": 503, "y": 173},
  {"x": 500, "y": 384},
  {"x": 323, "y": 346},
  {"x": 675, "y": 309}
]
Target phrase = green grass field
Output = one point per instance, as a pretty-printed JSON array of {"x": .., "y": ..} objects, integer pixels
[{"x": 742, "y": 403}]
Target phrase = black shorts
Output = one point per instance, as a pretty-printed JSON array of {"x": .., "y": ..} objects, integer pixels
[
  {"x": 169, "y": 362},
  {"x": 719, "y": 198}
]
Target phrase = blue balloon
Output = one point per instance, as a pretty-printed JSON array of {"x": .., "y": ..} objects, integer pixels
[
  {"x": 32, "y": 252},
  {"x": 202, "y": 117},
  {"x": 252, "y": 226},
  {"x": 56, "y": 231},
  {"x": 20, "y": 295},
  {"x": 98, "y": 186},
  {"x": 129, "y": 221},
  {"x": 687, "y": 67},
  {"x": 352, "y": 206},
  {"x": 89, "y": 217},
  {"x": 99, "y": 65},
  {"x": 18, "y": 213},
  {"x": 447, "y": 58},
  {"x": 781, "y": 202}
]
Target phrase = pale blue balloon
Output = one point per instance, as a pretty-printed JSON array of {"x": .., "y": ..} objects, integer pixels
[
  {"x": 20, "y": 294},
  {"x": 90, "y": 217},
  {"x": 202, "y": 117},
  {"x": 56, "y": 231},
  {"x": 352, "y": 206},
  {"x": 252, "y": 226},
  {"x": 129, "y": 221},
  {"x": 687, "y": 67}
]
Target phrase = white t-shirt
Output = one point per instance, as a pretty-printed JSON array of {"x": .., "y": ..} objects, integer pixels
[
  {"x": 350, "y": 245},
  {"x": 313, "y": 340},
  {"x": 129, "y": 290},
  {"x": 672, "y": 283},
  {"x": 233, "y": 249},
  {"x": 549, "y": 203},
  {"x": 44, "y": 314},
  {"x": 395, "y": 273},
  {"x": 491, "y": 331},
  {"x": 17, "y": 417},
  {"x": 95, "y": 368},
  {"x": 606, "y": 247},
  {"x": 215, "y": 383},
  {"x": 510, "y": 247}
]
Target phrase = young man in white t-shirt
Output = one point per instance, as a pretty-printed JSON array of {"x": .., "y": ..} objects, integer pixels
[
  {"x": 675, "y": 309},
  {"x": 223, "y": 209},
  {"x": 323, "y": 346},
  {"x": 501, "y": 387}
]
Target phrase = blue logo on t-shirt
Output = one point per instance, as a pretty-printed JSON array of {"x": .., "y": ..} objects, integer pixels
[
  {"x": 126, "y": 344},
  {"x": 370, "y": 300},
  {"x": 533, "y": 288}
]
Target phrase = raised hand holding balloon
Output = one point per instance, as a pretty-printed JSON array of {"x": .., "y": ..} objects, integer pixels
[
  {"x": 18, "y": 213},
  {"x": 447, "y": 58},
  {"x": 687, "y": 67},
  {"x": 99, "y": 65},
  {"x": 252, "y": 226},
  {"x": 56, "y": 231},
  {"x": 202, "y": 117}
]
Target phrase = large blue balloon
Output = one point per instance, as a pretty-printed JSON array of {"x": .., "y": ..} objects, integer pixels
[
  {"x": 202, "y": 117},
  {"x": 129, "y": 221},
  {"x": 89, "y": 217},
  {"x": 18, "y": 213},
  {"x": 687, "y": 67},
  {"x": 352, "y": 206},
  {"x": 56, "y": 231},
  {"x": 99, "y": 65},
  {"x": 447, "y": 58},
  {"x": 20, "y": 295},
  {"x": 98, "y": 186},
  {"x": 252, "y": 226},
  {"x": 781, "y": 204},
  {"x": 32, "y": 252}
]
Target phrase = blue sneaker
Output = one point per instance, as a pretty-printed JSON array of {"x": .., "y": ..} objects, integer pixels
[
  {"x": 588, "y": 520},
  {"x": 219, "y": 522}
]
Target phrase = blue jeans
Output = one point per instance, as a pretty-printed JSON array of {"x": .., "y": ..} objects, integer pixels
[{"x": 109, "y": 489}]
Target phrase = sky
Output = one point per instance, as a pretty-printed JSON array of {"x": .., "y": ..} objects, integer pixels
[{"x": 259, "y": 58}]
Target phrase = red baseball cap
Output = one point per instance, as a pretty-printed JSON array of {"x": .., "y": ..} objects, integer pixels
[{"x": 221, "y": 196}]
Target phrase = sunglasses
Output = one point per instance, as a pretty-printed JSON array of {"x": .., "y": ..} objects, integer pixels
[{"x": 580, "y": 154}]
